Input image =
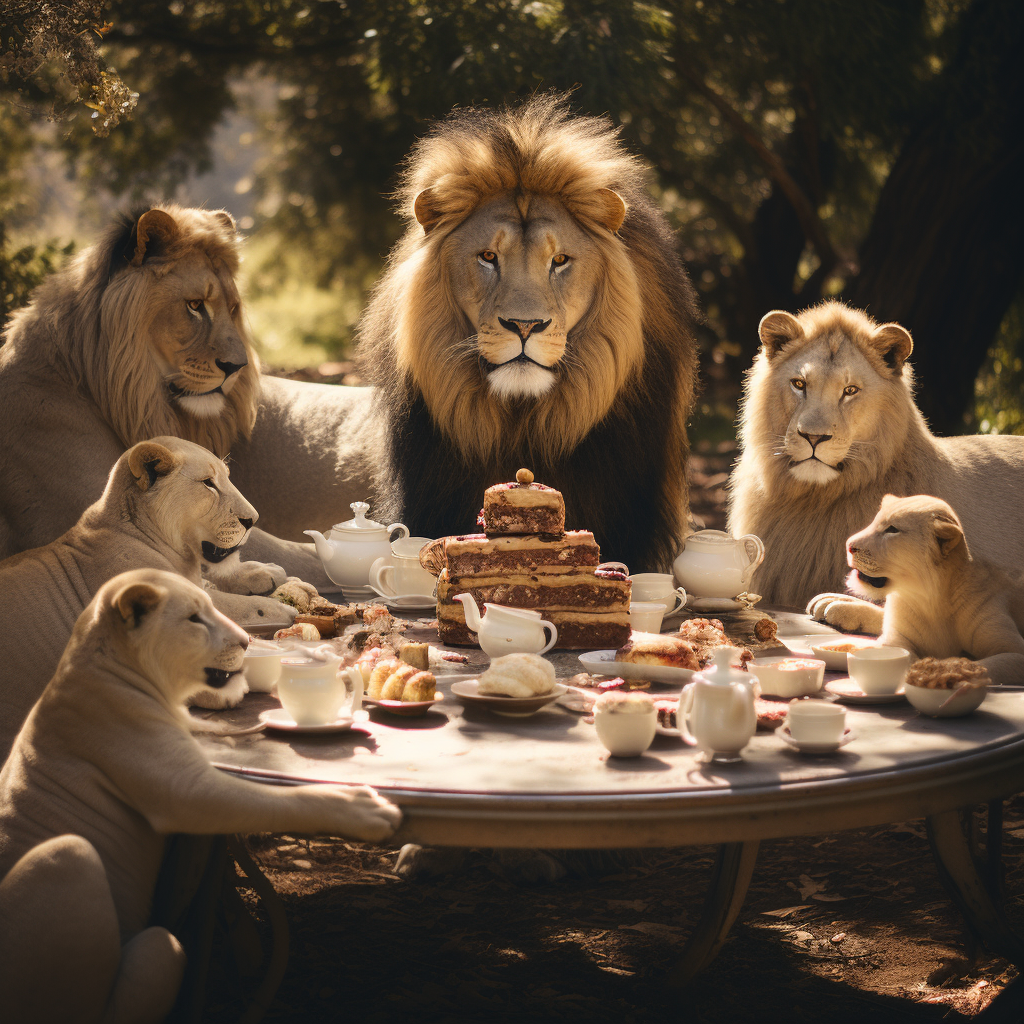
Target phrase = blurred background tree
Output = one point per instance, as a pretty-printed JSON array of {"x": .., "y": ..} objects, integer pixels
[{"x": 803, "y": 148}]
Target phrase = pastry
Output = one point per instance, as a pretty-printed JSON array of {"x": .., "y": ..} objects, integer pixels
[
  {"x": 523, "y": 507},
  {"x": 379, "y": 676},
  {"x": 518, "y": 675},
  {"x": 298, "y": 594},
  {"x": 656, "y": 649},
  {"x": 299, "y": 631},
  {"x": 324, "y": 623},
  {"x": 420, "y": 686},
  {"x": 947, "y": 674},
  {"x": 415, "y": 654}
]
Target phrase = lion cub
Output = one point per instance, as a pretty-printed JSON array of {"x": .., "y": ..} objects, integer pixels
[
  {"x": 103, "y": 770},
  {"x": 939, "y": 601}
]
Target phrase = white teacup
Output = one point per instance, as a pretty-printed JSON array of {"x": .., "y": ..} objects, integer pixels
[
  {"x": 310, "y": 690},
  {"x": 262, "y": 668},
  {"x": 625, "y": 732},
  {"x": 646, "y": 616},
  {"x": 878, "y": 669},
  {"x": 816, "y": 721},
  {"x": 402, "y": 575},
  {"x": 660, "y": 587}
]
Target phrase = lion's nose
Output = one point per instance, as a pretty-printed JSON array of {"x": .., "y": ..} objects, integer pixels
[
  {"x": 247, "y": 523},
  {"x": 229, "y": 368},
  {"x": 524, "y": 328},
  {"x": 814, "y": 439}
]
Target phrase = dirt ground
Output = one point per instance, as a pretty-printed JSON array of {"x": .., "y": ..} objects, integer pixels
[{"x": 848, "y": 927}]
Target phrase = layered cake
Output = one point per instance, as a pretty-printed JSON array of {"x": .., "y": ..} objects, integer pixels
[{"x": 525, "y": 559}]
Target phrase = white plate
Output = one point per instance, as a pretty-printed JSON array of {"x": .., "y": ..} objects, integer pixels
[
  {"x": 809, "y": 646},
  {"x": 717, "y": 604},
  {"x": 846, "y": 691},
  {"x": 467, "y": 691},
  {"x": 813, "y": 748},
  {"x": 603, "y": 663},
  {"x": 278, "y": 718},
  {"x": 407, "y": 602}
]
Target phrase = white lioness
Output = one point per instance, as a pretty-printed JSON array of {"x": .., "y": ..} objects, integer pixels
[
  {"x": 168, "y": 504},
  {"x": 102, "y": 771},
  {"x": 940, "y": 602},
  {"x": 828, "y": 427}
]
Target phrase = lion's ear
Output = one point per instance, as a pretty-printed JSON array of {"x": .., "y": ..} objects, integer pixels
[
  {"x": 611, "y": 209},
  {"x": 948, "y": 533},
  {"x": 777, "y": 329},
  {"x": 426, "y": 209},
  {"x": 894, "y": 344},
  {"x": 148, "y": 461},
  {"x": 226, "y": 220},
  {"x": 154, "y": 231},
  {"x": 134, "y": 601}
]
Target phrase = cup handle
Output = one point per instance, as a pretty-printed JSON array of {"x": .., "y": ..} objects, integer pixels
[
  {"x": 403, "y": 531},
  {"x": 754, "y": 548},
  {"x": 554, "y": 636},
  {"x": 378, "y": 571},
  {"x": 354, "y": 678},
  {"x": 616, "y": 567},
  {"x": 683, "y": 714},
  {"x": 680, "y": 601}
]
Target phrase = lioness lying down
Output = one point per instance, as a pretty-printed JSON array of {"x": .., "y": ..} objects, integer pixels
[
  {"x": 939, "y": 601},
  {"x": 102, "y": 771},
  {"x": 168, "y": 504}
]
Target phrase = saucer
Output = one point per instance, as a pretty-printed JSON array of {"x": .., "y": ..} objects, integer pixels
[
  {"x": 848, "y": 692},
  {"x": 409, "y": 708},
  {"x": 603, "y": 663},
  {"x": 720, "y": 604},
  {"x": 467, "y": 691},
  {"x": 813, "y": 748},
  {"x": 407, "y": 602},
  {"x": 353, "y": 594},
  {"x": 278, "y": 718}
]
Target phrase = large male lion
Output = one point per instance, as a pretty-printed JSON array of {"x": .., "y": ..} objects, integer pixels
[
  {"x": 829, "y": 427},
  {"x": 168, "y": 504},
  {"x": 103, "y": 770},
  {"x": 534, "y": 313}
]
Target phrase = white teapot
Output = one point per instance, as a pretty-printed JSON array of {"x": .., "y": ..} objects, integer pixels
[
  {"x": 716, "y": 564},
  {"x": 504, "y": 630},
  {"x": 716, "y": 710},
  {"x": 352, "y": 547}
]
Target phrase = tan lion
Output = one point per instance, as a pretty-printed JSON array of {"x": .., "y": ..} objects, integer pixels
[
  {"x": 168, "y": 504},
  {"x": 534, "y": 313},
  {"x": 103, "y": 770},
  {"x": 940, "y": 601},
  {"x": 829, "y": 426},
  {"x": 142, "y": 335}
]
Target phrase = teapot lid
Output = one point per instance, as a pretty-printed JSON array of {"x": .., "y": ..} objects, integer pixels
[
  {"x": 723, "y": 670},
  {"x": 718, "y": 538},
  {"x": 360, "y": 524}
]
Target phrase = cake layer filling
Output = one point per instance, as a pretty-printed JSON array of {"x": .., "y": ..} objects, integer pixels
[
  {"x": 563, "y": 592},
  {"x": 478, "y": 554},
  {"x": 576, "y": 630}
]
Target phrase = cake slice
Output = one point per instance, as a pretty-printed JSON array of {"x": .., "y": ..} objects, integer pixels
[
  {"x": 478, "y": 555},
  {"x": 587, "y": 590},
  {"x": 523, "y": 507}
]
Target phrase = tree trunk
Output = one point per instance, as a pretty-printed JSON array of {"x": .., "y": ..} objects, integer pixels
[{"x": 945, "y": 252}]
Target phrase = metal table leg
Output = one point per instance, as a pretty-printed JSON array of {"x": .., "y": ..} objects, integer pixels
[{"x": 733, "y": 869}]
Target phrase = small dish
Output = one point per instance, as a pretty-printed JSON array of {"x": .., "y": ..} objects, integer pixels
[
  {"x": 932, "y": 702},
  {"x": 813, "y": 748},
  {"x": 788, "y": 676},
  {"x": 811, "y": 646},
  {"x": 278, "y": 718},
  {"x": 407, "y": 602},
  {"x": 468, "y": 691},
  {"x": 407, "y": 708},
  {"x": 847, "y": 691},
  {"x": 603, "y": 663},
  {"x": 721, "y": 604}
]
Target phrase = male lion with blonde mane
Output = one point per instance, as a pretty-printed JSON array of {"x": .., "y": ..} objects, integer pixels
[
  {"x": 534, "y": 314},
  {"x": 828, "y": 427}
]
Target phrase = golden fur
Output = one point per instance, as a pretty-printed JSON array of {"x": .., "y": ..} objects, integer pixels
[
  {"x": 940, "y": 601},
  {"x": 834, "y": 384},
  {"x": 560, "y": 206},
  {"x": 102, "y": 772}
]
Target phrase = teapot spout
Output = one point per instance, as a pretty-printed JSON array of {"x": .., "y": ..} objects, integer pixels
[
  {"x": 323, "y": 545},
  {"x": 472, "y": 612}
]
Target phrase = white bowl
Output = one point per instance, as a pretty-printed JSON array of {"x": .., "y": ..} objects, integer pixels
[
  {"x": 929, "y": 701},
  {"x": 262, "y": 669},
  {"x": 835, "y": 661},
  {"x": 788, "y": 676},
  {"x": 879, "y": 669}
]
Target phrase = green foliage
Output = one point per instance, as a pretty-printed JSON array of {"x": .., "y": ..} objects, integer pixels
[
  {"x": 23, "y": 268},
  {"x": 999, "y": 389}
]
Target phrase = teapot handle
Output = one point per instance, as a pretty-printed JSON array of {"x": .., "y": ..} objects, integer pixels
[
  {"x": 678, "y": 601},
  {"x": 683, "y": 714},
  {"x": 554, "y": 636},
  {"x": 754, "y": 548},
  {"x": 403, "y": 531}
]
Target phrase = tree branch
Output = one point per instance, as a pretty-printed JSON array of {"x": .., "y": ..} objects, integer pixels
[{"x": 810, "y": 223}]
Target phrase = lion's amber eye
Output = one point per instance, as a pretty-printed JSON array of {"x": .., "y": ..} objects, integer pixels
[
  {"x": 209, "y": 483},
  {"x": 488, "y": 256},
  {"x": 798, "y": 383},
  {"x": 890, "y": 529},
  {"x": 195, "y": 305},
  {"x": 850, "y": 389},
  {"x": 560, "y": 260}
]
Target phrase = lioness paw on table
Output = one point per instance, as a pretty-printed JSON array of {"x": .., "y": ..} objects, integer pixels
[{"x": 103, "y": 769}]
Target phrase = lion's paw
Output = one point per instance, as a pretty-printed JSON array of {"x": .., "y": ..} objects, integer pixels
[
  {"x": 251, "y": 578},
  {"x": 228, "y": 696},
  {"x": 817, "y": 605},
  {"x": 849, "y": 614}
]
